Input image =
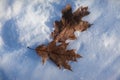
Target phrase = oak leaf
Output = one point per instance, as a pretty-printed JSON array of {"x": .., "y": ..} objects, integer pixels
[
  {"x": 70, "y": 22},
  {"x": 64, "y": 29},
  {"x": 58, "y": 54}
]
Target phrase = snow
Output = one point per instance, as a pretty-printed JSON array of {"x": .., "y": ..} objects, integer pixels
[{"x": 29, "y": 23}]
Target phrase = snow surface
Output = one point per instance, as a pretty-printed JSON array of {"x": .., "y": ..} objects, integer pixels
[{"x": 29, "y": 23}]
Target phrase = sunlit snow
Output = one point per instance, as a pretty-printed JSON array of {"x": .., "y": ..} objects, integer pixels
[{"x": 29, "y": 23}]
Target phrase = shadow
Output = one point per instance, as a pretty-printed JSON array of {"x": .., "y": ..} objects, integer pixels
[
  {"x": 32, "y": 54},
  {"x": 118, "y": 78},
  {"x": 56, "y": 12},
  {"x": 10, "y": 35},
  {"x": 10, "y": 2},
  {"x": 2, "y": 75}
]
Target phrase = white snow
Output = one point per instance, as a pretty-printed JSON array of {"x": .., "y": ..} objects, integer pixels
[{"x": 29, "y": 23}]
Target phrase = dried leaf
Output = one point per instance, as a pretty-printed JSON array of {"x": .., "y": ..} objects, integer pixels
[
  {"x": 64, "y": 29},
  {"x": 70, "y": 22},
  {"x": 58, "y": 54}
]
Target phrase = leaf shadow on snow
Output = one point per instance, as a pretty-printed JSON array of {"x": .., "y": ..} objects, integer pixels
[
  {"x": 31, "y": 54},
  {"x": 55, "y": 14},
  {"x": 10, "y": 35}
]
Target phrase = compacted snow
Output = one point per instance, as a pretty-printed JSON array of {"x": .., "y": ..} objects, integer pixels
[{"x": 29, "y": 23}]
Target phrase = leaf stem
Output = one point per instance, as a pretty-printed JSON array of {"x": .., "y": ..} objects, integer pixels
[{"x": 30, "y": 48}]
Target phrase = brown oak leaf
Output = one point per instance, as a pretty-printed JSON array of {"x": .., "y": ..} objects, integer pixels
[
  {"x": 64, "y": 29},
  {"x": 70, "y": 22},
  {"x": 58, "y": 54}
]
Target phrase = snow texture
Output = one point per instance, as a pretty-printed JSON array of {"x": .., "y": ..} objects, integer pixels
[{"x": 29, "y": 23}]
